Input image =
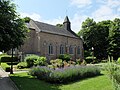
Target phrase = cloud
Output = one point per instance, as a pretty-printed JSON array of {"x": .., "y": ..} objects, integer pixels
[
  {"x": 104, "y": 12},
  {"x": 110, "y": 3},
  {"x": 58, "y": 20},
  {"x": 76, "y": 22},
  {"x": 33, "y": 16},
  {"x": 81, "y": 3}
]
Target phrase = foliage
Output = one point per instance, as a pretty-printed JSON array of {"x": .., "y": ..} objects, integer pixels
[
  {"x": 6, "y": 67},
  {"x": 22, "y": 65},
  {"x": 80, "y": 62},
  {"x": 40, "y": 61},
  {"x": 118, "y": 61},
  {"x": 30, "y": 60},
  {"x": 27, "y": 19},
  {"x": 114, "y": 39},
  {"x": 90, "y": 59},
  {"x": 57, "y": 63},
  {"x": 96, "y": 35},
  {"x": 13, "y": 30},
  {"x": 65, "y": 57},
  {"x": 94, "y": 83},
  {"x": 113, "y": 71},
  {"x": 64, "y": 75},
  {"x": 9, "y": 59},
  {"x": 59, "y": 25}
]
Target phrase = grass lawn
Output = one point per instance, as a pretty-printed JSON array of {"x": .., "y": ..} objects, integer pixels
[{"x": 27, "y": 82}]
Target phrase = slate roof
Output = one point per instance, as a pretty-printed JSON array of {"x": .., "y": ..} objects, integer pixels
[{"x": 44, "y": 27}]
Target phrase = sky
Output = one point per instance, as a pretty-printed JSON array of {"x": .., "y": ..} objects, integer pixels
[{"x": 54, "y": 11}]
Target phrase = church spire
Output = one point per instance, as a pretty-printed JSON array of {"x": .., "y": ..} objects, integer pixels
[{"x": 67, "y": 23}]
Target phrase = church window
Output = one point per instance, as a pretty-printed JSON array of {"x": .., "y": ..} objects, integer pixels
[
  {"x": 61, "y": 49},
  {"x": 50, "y": 49},
  {"x": 70, "y": 50},
  {"x": 78, "y": 50}
]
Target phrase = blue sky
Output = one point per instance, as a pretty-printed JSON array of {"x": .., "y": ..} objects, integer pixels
[{"x": 54, "y": 11}]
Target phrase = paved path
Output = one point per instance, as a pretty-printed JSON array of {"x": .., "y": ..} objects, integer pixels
[{"x": 5, "y": 82}]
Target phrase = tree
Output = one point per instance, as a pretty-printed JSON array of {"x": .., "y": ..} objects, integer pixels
[
  {"x": 88, "y": 27},
  {"x": 59, "y": 25},
  {"x": 96, "y": 35},
  {"x": 12, "y": 29},
  {"x": 114, "y": 39},
  {"x": 102, "y": 38}
]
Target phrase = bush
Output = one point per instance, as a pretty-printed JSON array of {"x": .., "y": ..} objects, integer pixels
[
  {"x": 118, "y": 61},
  {"x": 9, "y": 59},
  {"x": 113, "y": 71},
  {"x": 64, "y": 75},
  {"x": 57, "y": 63},
  {"x": 65, "y": 57},
  {"x": 22, "y": 65},
  {"x": 90, "y": 59},
  {"x": 30, "y": 60},
  {"x": 40, "y": 61},
  {"x": 6, "y": 67}
]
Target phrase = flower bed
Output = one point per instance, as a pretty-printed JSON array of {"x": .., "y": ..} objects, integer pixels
[{"x": 64, "y": 75}]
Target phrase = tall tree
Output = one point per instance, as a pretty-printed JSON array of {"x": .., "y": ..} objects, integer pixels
[
  {"x": 12, "y": 28},
  {"x": 96, "y": 35},
  {"x": 114, "y": 39},
  {"x": 102, "y": 33}
]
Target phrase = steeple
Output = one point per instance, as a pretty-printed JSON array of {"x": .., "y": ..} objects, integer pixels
[{"x": 67, "y": 24}]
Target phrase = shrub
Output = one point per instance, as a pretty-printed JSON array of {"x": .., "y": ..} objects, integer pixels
[
  {"x": 90, "y": 59},
  {"x": 6, "y": 67},
  {"x": 118, "y": 61},
  {"x": 22, "y": 65},
  {"x": 64, "y": 75},
  {"x": 113, "y": 71},
  {"x": 8, "y": 59},
  {"x": 65, "y": 57},
  {"x": 30, "y": 60},
  {"x": 57, "y": 63},
  {"x": 40, "y": 61}
]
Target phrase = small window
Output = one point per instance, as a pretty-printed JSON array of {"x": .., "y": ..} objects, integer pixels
[
  {"x": 50, "y": 49},
  {"x": 61, "y": 49},
  {"x": 78, "y": 50},
  {"x": 70, "y": 50}
]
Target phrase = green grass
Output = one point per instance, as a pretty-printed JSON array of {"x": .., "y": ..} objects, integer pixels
[{"x": 27, "y": 82}]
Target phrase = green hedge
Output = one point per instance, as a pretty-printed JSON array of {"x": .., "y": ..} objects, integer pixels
[
  {"x": 65, "y": 57},
  {"x": 6, "y": 67},
  {"x": 9, "y": 59},
  {"x": 30, "y": 60},
  {"x": 90, "y": 59},
  {"x": 22, "y": 65},
  {"x": 64, "y": 75}
]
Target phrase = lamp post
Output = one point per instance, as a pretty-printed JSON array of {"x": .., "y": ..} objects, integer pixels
[{"x": 93, "y": 53}]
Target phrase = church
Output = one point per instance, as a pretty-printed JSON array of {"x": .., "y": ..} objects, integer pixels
[{"x": 51, "y": 41}]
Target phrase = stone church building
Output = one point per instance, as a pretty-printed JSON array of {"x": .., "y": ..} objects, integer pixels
[{"x": 51, "y": 41}]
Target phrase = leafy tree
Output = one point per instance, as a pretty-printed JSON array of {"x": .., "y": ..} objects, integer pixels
[
  {"x": 96, "y": 35},
  {"x": 114, "y": 39},
  {"x": 59, "y": 25},
  {"x": 102, "y": 39},
  {"x": 12, "y": 28},
  {"x": 87, "y": 31}
]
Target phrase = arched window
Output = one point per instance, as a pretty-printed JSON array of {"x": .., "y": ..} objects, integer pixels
[
  {"x": 70, "y": 50},
  {"x": 50, "y": 49},
  {"x": 61, "y": 49},
  {"x": 78, "y": 50}
]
